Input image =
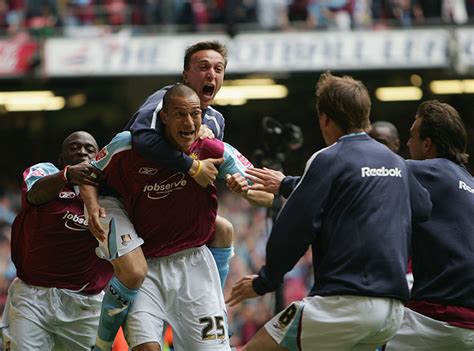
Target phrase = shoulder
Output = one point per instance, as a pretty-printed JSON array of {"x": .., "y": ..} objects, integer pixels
[
  {"x": 422, "y": 166},
  {"x": 40, "y": 170},
  {"x": 209, "y": 148},
  {"x": 121, "y": 142},
  {"x": 212, "y": 113}
]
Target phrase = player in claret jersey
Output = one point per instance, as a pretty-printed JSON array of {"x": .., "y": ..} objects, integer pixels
[
  {"x": 175, "y": 217},
  {"x": 203, "y": 71},
  {"x": 54, "y": 304}
]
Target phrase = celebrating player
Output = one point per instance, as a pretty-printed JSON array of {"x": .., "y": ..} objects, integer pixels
[
  {"x": 204, "y": 67},
  {"x": 440, "y": 314},
  {"x": 358, "y": 237},
  {"x": 175, "y": 218},
  {"x": 54, "y": 304}
]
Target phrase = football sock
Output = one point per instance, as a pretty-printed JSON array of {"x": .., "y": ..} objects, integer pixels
[
  {"x": 222, "y": 256},
  {"x": 115, "y": 306}
]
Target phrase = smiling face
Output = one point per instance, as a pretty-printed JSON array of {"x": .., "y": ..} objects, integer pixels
[
  {"x": 78, "y": 147},
  {"x": 182, "y": 120},
  {"x": 205, "y": 75}
]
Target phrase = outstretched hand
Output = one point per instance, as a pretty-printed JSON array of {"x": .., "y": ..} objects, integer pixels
[
  {"x": 208, "y": 172},
  {"x": 83, "y": 173},
  {"x": 265, "y": 179},
  {"x": 242, "y": 290},
  {"x": 94, "y": 216},
  {"x": 236, "y": 183}
]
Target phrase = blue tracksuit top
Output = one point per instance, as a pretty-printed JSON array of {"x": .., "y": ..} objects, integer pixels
[
  {"x": 148, "y": 138},
  {"x": 443, "y": 247},
  {"x": 354, "y": 205}
]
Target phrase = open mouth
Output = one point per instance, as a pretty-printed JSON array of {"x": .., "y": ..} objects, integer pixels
[
  {"x": 208, "y": 89},
  {"x": 187, "y": 134}
]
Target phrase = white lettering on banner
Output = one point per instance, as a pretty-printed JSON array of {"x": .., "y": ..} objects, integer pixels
[
  {"x": 304, "y": 51},
  {"x": 466, "y": 187},
  {"x": 465, "y": 56},
  {"x": 335, "y": 50},
  {"x": 381, "y": 172}
]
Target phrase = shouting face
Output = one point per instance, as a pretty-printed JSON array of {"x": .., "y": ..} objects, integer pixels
[
  {"x": 182, "y": 119},
  {"x": 205, "y": 75}
]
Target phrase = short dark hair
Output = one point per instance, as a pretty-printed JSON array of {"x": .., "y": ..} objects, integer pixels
[
  {"x": 344, "y": 100},
  {"x": 204, "y": 45},
  {"x": 384, "y": 124},
  {"x": 178, "y": 89},
  {"x": 443, "y": 125}
]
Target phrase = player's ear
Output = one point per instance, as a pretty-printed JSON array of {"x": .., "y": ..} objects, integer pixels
[
  {"x": 163, "y": 117},
  {"x": 185, "y": 77},
  {"x": 397, "y": 145},
  {"x": 427, "y": 144}
]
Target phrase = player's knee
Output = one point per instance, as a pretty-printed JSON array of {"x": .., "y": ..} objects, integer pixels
[
  {"x": 224, "y": 235},
  {"x": 149, "y": 346},
  {"x": 131, "y": 269}
]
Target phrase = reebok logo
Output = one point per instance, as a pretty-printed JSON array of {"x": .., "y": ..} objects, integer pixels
[
  {"x": 160, "y": 190},
  {"x": 380, "y": 172},
  {"x": 466, "y": 187}
]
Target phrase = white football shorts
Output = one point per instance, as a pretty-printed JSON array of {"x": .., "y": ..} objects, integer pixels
[
  {"x": 37, "y": 318},
  {"x": 122, "y": 237},
  {"x": 422, "y": 333},
  {"x": 182, "y": 290},
  {"x": 335, "y": 323}
]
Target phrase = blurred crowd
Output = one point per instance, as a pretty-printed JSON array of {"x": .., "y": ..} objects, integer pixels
[
  {"x": 252, "y": 226},
  {"x": 229, "y": 15}
]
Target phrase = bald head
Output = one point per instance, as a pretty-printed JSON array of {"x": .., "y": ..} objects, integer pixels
[
  {"x": 385, "y": 133},
  {"x": 181, "y": 115},
  {"x": 78, "y": 147},
  {"x": 178, "y": 90}
]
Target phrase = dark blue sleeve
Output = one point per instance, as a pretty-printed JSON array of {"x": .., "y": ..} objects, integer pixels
[
  {"x": 151, "y": 143},
  {"x": 287, "y": 185},
  {"x": 420, "y": 199},
  {"x": 296, "y": 226}
]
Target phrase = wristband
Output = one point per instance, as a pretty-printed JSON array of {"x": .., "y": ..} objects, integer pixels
[
  {"x": 199, "y": 169},
  {"x": 64, "y": 174}
]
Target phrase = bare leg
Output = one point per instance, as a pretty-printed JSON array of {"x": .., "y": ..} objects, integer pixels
[
  {"x": 149, "y": 346},
  {"x": 224, "y": 235},
  {"x": 262, "y": 341}
]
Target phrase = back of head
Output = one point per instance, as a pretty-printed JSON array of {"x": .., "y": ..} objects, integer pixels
[
  {"x": 387, "y": 125},
  {"x": 177, "y": 90},
  {"x": 204, "y": 45},
  {"x": 443, "y": 125},
  {"x": 344, "y": 100},
  {"x": 385, "y": 133}
]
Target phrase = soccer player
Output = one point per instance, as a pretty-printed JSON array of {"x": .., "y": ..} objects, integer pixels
[
  {"x": 175, "y": 217},
  {"x": 353, "y": 206},
  {"x": 54, "y": 304},
  {"x": 204, "y": 67},
  {"x": 385, "y": 133},
  {"x": 440, "y": 313}
]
